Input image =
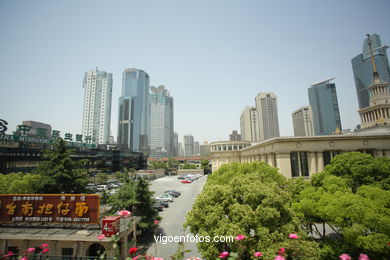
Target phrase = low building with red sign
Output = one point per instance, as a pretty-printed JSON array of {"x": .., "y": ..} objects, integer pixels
[{"x": 69, "y": 224}]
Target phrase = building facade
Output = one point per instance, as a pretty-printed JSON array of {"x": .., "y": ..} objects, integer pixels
[
  {"x": 196, "y": 148},
  {"x": 326, "y": 114},
  {"x": 205, "y": 149},
  {"x": 161, "y": 121},
  {"x": 249, "y": 124},
  {"x": 362, "y": 68},
  {"x": 175, "y": 144},
  {"x": 188, "y": 145},
  {"x": 38, "y": 129},
  {"x": 97, "y": 106},
  {"x": 235, "y": 136},
  {"x": 299, "y": 156},
  {"x": 267, "y": 112},
  {"x": 134, "y": 111},
  {"x": 303, "y": 121}
]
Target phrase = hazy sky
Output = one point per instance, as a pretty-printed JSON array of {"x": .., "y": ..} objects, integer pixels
[{"x": 213, "y": 56}]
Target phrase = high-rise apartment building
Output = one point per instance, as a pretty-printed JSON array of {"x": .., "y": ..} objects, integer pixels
[
  {"x": 97, "y": 106},
  {"x": 175, "y": 144},
  {"x": 249, "y": 124},
  {"x": 205, "y": 149},
  {"x": 134, "y": 111},
  {"x": 188, "y": 145},
  {"x": 196, "y": 148},
  {"x": 323, "y": 101},
  {"x": 161, "y": 121},
  {"x": 180, "y": 150},
  {"x": 303, "y": 121},
  {"x": 267, "y": 112},
  {"x": 362, "y": 68}
]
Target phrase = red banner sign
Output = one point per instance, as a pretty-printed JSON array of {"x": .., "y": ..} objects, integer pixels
[{"x": 63, "y": 208}]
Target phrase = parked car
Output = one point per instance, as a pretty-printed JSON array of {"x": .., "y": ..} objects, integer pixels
[
  {"x": 173, "y": 193},
  {"x": 164, "y": 198},
  {"x": 180, "y": 177},
  {"x": 164, "y": 203},
  {"x": 186, "y": 181},
  {"x": 158, "y": 206}
]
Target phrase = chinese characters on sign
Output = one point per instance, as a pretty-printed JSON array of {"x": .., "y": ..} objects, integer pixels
[{"x": 75, "y": 208}]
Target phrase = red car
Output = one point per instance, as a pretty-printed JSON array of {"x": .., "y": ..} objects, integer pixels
[{"x": 186, "y": 181}]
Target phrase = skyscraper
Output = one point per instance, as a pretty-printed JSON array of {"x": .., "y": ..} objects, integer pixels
[
  {"x": 326, "y": 114},
  {"x": 175, "y": 144},
  {"x": 97, "y": 106},
  {"x": 196, "y": 148},
  {"x": 303, "y": 121},
  {"x": 161, "y": 121},
  {"x": 134, "y": 111},
  {"x": 249, "y": 124},
  {"x": 267, "y": 112},
  {"x": 188, "y": 145},
  {"x": 362, "y": 68}
]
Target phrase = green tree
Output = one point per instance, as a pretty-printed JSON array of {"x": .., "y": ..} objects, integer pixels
[
  {"x": 144, "y": 205},
  {"x": 340, "y": 199},
  {"x": 172, "y": 163},
  {"x": 60, "y": 173},
  {"x": 123, "y": 199},
  {"x": 205, "y": 164},
  {"x": 187, "y": 166},
  {"x": 253, "y": 200},
  {"x": 20, "y": 183},
  {"x": 102, "y": 178}
]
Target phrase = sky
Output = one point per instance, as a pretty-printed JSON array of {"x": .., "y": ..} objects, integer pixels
[{"x": 213, "y": 56}]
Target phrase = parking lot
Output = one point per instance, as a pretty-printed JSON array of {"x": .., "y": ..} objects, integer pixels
[{"x": 174, "y": 215}]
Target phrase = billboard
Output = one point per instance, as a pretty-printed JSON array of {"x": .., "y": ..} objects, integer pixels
[{"x": 49, "y": 208}]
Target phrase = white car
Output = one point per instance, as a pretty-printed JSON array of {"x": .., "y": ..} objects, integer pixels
[{"x": 164, "y": 198}]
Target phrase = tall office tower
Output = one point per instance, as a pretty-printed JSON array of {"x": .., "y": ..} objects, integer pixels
[
  {"x": 249, "y": 124},
  {"x": 205, "y": 149},
  {"x": 303, "y": 121},
  {"x": 175, "y": 144},
  {"x": 134, "y": 111},
  {"x": 323, "y": 101},
  {"x": 97, "y": 106},
  {"x": 188, "y": 145},
  {"x": 161, "y": 121},
  {"x": 235, "y": 136},
  {"x": 180, "y": 150},
  {"x": 267, "y": 112},
  {"x": 376, "y": 117},
  {"x": 196, "y": 148},
  {"x": 362, "y": 68}
]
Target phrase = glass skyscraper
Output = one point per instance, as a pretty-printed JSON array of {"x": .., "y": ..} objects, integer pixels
[
  {"x": 161, "y": 122},
  {"x": 326, "y": 114},
  {"x": 134, "y": 111},
  {"x": 362, "y": 68},
  {"x": 97, "y": 106}
]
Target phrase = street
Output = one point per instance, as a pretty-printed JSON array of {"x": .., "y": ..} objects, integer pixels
[{"x": 174, "y": 215}]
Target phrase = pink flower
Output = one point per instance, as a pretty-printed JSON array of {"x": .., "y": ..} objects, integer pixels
[
  {"x": 278, "y": 257},
  {"x": 10, "y": 253},
  {"x": 240, "y": 237},
  {"x": 345, "y": 257},
  {"x": 124, "y": 213},
  {"x": 158, "y": 258},
  {"x": 24, "y": 258},
  {"x": 45, "y": 250},
  {"x": 135, "y": 258},
  {"x": 281, "y": 251},
  {"x": 132, "y": 250},
  {"x": 224, "y": 254},
  {"x": 31, "y": 250},
  {"x": 156, "y": 222},
  {"x": 100, "y": 237},
  {"x": 293, "y": 236},
  {"x": 258, "y": 254},
  {"x": 44, "y": 245},
  {"x": 363, "y": 257}
]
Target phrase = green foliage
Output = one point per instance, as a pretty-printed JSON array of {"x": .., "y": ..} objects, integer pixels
[
  {"x": 123, "y": 199},
  {"x": 144, "y": 204},
  {"x": 187, "y": 166},
  {"x": 253, "y": 200},
  {"x": 205, "y": 164},
  {"x": 20, "y": 183},
  {"x": 360, "y": 169},
  {"x": 172, "y": 163},
  {"x": 60, "y": 173},
  {"x": 101, "y": 178},
  {"x": 358, "y": 213},
  {"x": 158, "y": 165},
  {"x": 122, "y": 176}
]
